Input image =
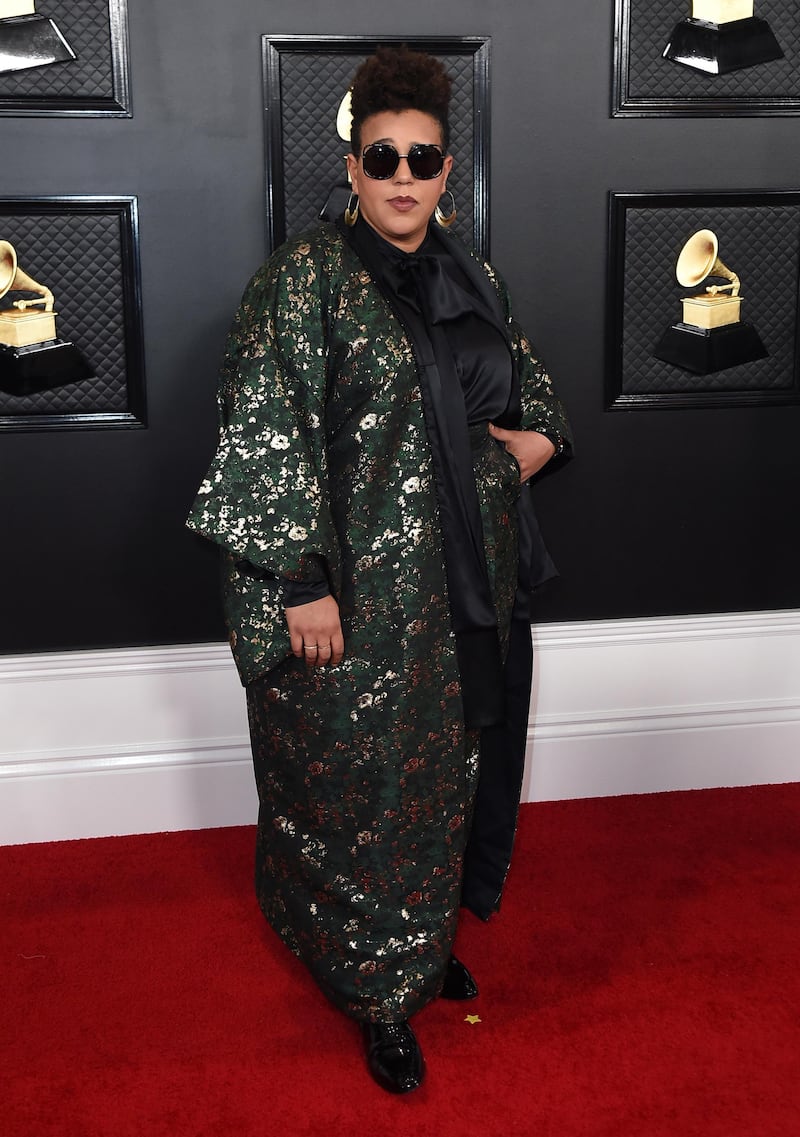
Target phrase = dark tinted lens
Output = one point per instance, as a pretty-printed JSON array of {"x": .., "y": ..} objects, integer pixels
[
  {"x": 425, "y": 161},
  {"x": 380, "y": 161}
]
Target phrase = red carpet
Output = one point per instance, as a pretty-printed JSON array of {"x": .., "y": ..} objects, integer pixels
[{"x": 643, "y": 979}]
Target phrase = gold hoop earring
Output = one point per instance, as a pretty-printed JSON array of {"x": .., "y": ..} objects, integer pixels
[
  {"x": 351, "y": 211},
  {"x": 446, "y": 219}
]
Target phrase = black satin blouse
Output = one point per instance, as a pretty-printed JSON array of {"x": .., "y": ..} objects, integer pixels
[{"x": 432, "y": 282}]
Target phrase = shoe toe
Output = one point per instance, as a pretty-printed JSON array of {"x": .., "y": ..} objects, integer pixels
[
  {"x": 394, "y": 1057},
  {"x": 458, "y": 982}
]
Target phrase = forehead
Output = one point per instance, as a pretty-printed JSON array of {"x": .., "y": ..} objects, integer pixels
[{"x": 401, "y": 127}]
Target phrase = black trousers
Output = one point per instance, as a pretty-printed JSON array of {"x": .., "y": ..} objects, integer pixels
[{"x": 502, "y": 766}]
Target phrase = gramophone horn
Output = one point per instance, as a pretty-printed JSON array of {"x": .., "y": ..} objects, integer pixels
[
  {"x": 12, "y": 278},
  {"x": 8, "y": 266},
  {"x": 698, "y": 259},
  {"x": 344, "y": 118}
]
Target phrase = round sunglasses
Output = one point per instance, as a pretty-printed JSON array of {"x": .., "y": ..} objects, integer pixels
[{"x": 381, "y": 159}]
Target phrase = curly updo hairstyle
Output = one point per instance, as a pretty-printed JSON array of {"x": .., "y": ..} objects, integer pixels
[{"x": 399, "y": 79}]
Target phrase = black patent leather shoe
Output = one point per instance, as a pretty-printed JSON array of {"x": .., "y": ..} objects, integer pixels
[
  {"x": 394, "y": 1057},
  {"x": 458, "y": 983}
]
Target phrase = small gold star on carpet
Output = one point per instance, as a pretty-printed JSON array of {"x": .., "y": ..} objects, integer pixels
[{"x": 472, "y": 1019}]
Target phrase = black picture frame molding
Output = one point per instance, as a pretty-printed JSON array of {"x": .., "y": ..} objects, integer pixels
[
  {"x": 277, "y": 48},
  {"x": 56, "y": 104},
  {"x": 120, "y": 340},
  {"x": 620, "y": 319},
  {"x": 670, "y": 102}
]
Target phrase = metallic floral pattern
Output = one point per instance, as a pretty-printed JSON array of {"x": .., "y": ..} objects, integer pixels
[{"x": 365, "y": 772}]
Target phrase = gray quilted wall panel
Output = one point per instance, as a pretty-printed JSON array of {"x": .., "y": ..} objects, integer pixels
[
  {"x": 651, "y": 76},
  {"x": 760, "y": 243},
  {"x": 79, "y": 256},
  {"x": 96, "y": 30}
]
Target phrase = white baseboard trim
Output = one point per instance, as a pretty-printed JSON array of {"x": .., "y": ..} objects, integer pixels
[
  {"x": 144, "y": 740},
  {"x": 642, "y": 706}
]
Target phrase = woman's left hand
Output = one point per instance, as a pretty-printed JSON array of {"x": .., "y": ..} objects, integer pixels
[{"x": 531, "y": 449}]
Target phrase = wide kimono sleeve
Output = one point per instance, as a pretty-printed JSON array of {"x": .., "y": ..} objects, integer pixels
[
  {"x": 542, "y": 410},
  {"x": 264, "y": 499}
]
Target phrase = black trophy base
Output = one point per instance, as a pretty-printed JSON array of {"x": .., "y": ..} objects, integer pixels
[
  {"x": 702, "y": 350},
  {"x": 337, "y": 201},
  {"x": 31, "y": 41},
  {"x": 717, "y": 49},
  {"x": 41, "y": 367}
]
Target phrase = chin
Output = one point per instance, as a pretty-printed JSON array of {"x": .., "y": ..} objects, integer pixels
[{"x": 409, "y": 232}]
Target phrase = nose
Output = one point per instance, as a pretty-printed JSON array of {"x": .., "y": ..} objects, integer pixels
[{"x": 403, "y": 171}]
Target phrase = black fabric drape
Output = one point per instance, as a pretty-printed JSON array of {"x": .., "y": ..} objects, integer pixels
[{"x": 423, "y": 297}]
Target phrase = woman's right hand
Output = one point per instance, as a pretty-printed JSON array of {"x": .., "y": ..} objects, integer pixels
[
  {"x": 315, "y": 631},
  {"x": 531, "y": 449}
]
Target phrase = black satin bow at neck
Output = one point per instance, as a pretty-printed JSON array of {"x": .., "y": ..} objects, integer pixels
[{"x": 422, "y": 275}]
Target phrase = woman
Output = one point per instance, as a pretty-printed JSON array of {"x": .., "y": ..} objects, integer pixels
[{"x": 381, "y": 415}]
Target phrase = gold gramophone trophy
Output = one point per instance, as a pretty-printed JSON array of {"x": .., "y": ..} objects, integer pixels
[
  {"x": 722, "y": 36},
  {"x": 711, "y": 335},
  {"x": 32, "y": 357},
  {"x": 339, "y": 195},
  {"x": 28, "y": 40}
]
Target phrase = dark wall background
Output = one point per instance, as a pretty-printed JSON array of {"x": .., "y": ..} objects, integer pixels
[{"x": 668, "y": 511}]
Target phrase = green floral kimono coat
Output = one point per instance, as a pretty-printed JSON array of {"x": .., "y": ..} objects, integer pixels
[{"x": 365, "y": 772}]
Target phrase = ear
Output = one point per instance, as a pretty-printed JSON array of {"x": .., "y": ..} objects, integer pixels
[
  {"x": 352, "y": 171},
  {"x": 446, "y": 168}
]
